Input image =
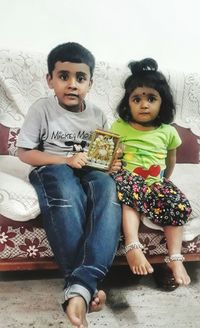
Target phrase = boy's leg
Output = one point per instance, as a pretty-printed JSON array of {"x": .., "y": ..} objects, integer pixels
[
  {"x": 173, "y": 236},
  {"x": 63, "y": 206},
  {"x": 103, "y": 229},
  {"x": 54, "y": 185},
  {"x": 134, "y": 254},
  {"x": 103, "y": 232}
]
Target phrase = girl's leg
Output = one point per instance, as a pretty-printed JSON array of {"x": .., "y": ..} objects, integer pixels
[
  {"x": 173, "y": 236},
  {"x": 135, "y": 256}
]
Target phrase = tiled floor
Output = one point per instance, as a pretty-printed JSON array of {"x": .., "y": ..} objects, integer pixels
[{"x": 32, "y": 300}]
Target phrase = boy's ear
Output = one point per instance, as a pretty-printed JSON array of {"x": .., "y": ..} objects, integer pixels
[
  {"x": 91, "y": 83},
  {"x": 49, "y": 81}
]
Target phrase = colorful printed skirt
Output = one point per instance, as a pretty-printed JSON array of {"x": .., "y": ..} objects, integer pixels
[{"x": 163, "y": 203}]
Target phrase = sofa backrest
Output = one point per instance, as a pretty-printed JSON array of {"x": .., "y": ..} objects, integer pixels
[{"x": 23, "y": 81}]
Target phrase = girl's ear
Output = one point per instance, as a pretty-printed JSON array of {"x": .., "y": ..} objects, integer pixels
[{"x": 49, "y": 81}]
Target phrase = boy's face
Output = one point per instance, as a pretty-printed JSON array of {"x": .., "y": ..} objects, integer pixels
[{"x": 71, "y": 82}]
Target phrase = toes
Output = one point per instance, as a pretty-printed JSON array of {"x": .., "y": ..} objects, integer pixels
[
  {"x": 142, "y": 270},
  {"x": 150, "y": 269},
  {"x": 98, "y": 302},
  {"x": 102, "y": 296},
  {"x": 186, "y": 281},
  {"x": 183, "y": 281},
  {"x": 179, "y": 281}
]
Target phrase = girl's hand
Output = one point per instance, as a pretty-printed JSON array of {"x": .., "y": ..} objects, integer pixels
[
  {"x": 117, "y": 163},
  {"x": 116, "y": 166},
  {"x": 77, "y": 161},
  {"x": 120, "y": 151}
]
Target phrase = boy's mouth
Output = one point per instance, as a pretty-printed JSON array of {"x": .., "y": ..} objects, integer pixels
[{"x": 71, "y": 95}]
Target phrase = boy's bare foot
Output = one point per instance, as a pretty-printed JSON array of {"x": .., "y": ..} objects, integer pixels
[
  {"x": 98, "y": 301},
  {"x": 179, "y": 272},
  {"x": 138, "y": 262},
  {"x": 76, "y": 312}
]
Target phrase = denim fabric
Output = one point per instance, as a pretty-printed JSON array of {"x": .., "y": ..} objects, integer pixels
[{"x": 82, "y": 220}]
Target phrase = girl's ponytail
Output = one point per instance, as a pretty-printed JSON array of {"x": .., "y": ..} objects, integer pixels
[{"x": 147, "y": 64}]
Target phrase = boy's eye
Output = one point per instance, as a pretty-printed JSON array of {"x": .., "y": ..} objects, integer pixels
[
  {"x": 63, "y": 76},
  {"x": 80, "y": 78}
]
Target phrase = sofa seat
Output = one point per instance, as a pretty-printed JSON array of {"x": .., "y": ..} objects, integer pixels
[
  {"x": 23, "y": 239},
  {"x": 23, "y": 242}
]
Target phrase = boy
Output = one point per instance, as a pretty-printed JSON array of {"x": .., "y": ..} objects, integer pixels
[{"x": 79, "y": 205}]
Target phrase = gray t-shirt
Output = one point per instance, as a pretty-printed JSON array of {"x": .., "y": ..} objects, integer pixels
[{"x": 55, "y": 130}]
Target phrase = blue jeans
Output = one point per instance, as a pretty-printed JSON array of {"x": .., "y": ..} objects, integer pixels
[{"x": 82, "y": 220}]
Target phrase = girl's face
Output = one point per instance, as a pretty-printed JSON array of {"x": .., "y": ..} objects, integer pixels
[{"x": 144, "y": 105}]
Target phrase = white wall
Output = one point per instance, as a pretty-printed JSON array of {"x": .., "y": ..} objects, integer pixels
[{"x": 114, "y": 30}]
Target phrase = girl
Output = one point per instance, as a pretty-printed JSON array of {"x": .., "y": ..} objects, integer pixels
[{"x": 150, "y": 143}]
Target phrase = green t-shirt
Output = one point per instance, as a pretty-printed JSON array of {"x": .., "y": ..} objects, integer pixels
[{"x": 145, "y": 152}]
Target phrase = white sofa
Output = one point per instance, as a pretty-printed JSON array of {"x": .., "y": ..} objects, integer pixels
[{"x": 23, "y": 243}]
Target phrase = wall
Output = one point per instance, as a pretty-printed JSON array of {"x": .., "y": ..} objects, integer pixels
[{"x": 113, "y": 30}]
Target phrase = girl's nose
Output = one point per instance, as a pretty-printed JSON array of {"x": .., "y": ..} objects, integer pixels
[{"x": 144, "y": 103}]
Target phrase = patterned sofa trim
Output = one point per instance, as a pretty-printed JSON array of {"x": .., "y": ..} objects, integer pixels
[{"x": 25, "y": 246}]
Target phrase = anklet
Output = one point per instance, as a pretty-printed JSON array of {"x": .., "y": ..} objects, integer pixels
[
  {"x": 135, "y": 245},
  {"x": 174, "y": 257}
]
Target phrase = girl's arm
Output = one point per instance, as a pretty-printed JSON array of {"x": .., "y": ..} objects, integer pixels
[
  {"x": 36, "y": 157},
  {"x": 170, "y": 163}
]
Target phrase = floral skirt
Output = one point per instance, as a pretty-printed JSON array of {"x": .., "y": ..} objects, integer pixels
[{"x": 163, "y": 203}]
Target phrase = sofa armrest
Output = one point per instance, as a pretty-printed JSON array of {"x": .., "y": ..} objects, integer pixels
[
  {"x": 18, "y": 199},
  {"x": 13, "y": 166}
]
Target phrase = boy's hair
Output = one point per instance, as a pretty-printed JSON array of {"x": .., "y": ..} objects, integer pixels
[
  {"x": 145, "y": 74},
  {"x": 72, "y": 52}
]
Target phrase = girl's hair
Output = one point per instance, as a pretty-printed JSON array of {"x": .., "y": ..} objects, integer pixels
[
  {"x": 145, "y": 74},
  {"x": 72, "y": 52}
]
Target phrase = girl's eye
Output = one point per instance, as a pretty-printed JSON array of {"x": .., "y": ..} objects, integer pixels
[
  {"x": 151, "y": 98},
  {"x": 136, "y": 100}
]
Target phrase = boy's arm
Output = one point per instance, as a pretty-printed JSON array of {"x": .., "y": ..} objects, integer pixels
[
  {"x": 170, "y": 163},
  {"x": 36, "y": 157}
]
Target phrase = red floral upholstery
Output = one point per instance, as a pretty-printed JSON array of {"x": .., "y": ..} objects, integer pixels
[
  {"x": 28, "y": 242},
  {"x": 8, "y": 137}
]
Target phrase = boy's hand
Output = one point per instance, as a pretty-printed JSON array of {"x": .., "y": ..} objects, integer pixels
[
  {"x": 77, "y": 161},
  {"x": 116, "y": 166}
]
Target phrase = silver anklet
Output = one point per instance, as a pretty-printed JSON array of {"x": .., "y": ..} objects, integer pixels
[
  {"x": 134, "y": 245},
  {"x": 174, "y": 257}
]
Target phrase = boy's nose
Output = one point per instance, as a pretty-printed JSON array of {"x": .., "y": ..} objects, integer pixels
[{"x": 72, "y": 83}]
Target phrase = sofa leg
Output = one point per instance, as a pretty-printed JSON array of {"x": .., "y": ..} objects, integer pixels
[{"x": 164, "y": 277}]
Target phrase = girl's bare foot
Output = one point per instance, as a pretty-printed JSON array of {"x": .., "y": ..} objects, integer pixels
[
  {"x": 98, "y": 301},
  {"x": 180, "y": 274},
  {"x": 138, "y": 262},
  {"x": 76, "y": 312}
]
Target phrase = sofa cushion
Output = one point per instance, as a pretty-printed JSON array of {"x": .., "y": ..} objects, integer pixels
[
  {"x": 8, "y": 137},
  {"x": 18, "y": 199}
]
